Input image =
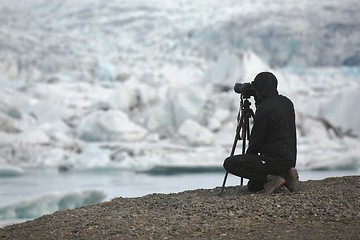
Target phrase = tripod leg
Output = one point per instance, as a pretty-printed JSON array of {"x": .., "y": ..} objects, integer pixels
[
  {"x": 246, "y": 134},
  {"x": 246, "y": 113},
  {"x": 227, "y": 173},
  {"x": 223, "y": 185}
]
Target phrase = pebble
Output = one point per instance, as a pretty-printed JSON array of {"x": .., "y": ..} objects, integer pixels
[{"x": 324, "y": 209}]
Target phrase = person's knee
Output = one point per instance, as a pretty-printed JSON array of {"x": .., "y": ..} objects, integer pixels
[{"x": 227, "y": 163}]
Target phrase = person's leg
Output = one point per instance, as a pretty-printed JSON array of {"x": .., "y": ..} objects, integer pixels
[
  {"x": 247, "y": 166},
  {"x": 254, "y": 186},
  {"x": 261, "y": 175},
  {"x": 274, "y": 168}
]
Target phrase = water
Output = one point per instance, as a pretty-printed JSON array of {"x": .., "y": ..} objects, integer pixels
[{"x": 41, "y": 192}]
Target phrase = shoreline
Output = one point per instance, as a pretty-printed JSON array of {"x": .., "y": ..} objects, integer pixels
[{"x": 323, "y": 209}]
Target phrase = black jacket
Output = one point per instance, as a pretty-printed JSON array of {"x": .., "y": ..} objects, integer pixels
[{"x": 273, "y": 135}]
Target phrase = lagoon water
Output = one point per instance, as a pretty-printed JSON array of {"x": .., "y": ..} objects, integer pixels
[{"x": 42, "y": 192}]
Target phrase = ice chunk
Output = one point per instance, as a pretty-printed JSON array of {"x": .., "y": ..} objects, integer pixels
[
  {"x": 35, "y": 137},
  {"x": 236, "y": 66},
  {"x": 341, "y": 112},
  {"x": 92, "y": 157},
  {"x": 59, "y": 134},
  {"x": 160, "y": 119},
  {"x": 195, "y": 134},
  {"x": 50, "y": 203},
  {"x": 120, "y": 99},
  {"x": 132, "y": 95},
  {"x": 106, "y": 71},
  {"x": 110, "y": 125},
  {"x": 10, "y": 171},
  {"x": 7, "y": 124},
  {"x": 188, "y": 104},
  {"x": 217, "y": 118}
]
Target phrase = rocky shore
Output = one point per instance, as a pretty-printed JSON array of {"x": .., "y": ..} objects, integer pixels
[{"x": 324, "y": 209}]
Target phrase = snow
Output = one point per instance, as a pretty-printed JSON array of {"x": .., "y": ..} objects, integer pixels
[{"x": 136, "y": 85}]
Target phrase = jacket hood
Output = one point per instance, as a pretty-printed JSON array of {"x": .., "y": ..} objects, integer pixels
[{"x": 265, "y": 84}]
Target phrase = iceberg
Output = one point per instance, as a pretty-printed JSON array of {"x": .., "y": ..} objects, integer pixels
[
  {"x": 235, "y": 66},
  {"x": 187, "y": 104},
  {"x": 10, "y": 171},
  {"x": 195, "y": 134},
  {"x": 160, "y": 119},
  {"x": 110, "y": 125},
  {"x": 50, "y": 203},
  {"x": 339, "y": 112}
]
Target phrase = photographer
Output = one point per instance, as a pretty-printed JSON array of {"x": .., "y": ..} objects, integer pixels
[{"x": 270, "y": 159}]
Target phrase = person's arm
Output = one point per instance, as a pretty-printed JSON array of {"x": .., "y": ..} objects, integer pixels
[{"x": 257, "y": 136}]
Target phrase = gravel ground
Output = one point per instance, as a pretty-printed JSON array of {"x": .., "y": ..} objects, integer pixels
[{"x": 323, "y": 209}]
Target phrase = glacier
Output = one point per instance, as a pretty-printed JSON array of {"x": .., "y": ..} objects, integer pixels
[{"x": 139, "y": 86}]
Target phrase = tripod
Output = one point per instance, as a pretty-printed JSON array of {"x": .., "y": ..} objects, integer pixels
[{"x": 245, "y": 113}]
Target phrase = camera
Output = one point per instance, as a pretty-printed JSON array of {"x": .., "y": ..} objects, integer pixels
[{"x": 246, "y": 89}]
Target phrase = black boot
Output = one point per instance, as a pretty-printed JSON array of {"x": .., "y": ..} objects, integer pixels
[{"x": 273, "y": 182}]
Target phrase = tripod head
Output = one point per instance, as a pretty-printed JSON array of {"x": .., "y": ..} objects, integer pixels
[
  {"x": 245, "y": 113},
  {"x": 245, "y": 104}
]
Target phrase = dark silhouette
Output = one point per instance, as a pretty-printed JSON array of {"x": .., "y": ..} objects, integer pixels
[{"x": 269, "y": 161}]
